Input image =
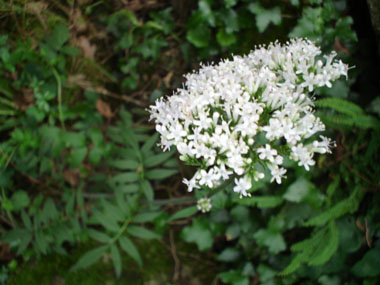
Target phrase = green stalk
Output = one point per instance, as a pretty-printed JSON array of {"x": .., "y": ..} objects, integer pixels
[
  {"x": 121, "y": 231},
  {"x": 59, "y": 92}
]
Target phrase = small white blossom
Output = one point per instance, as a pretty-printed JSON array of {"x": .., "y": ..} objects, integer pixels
[{"x": 217, "y": 116}]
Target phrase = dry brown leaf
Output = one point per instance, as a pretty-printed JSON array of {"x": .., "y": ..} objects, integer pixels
[
  {"x": 72, "y": 177},
  {"x": 78, "y": 21},
  {"x": 168, "y": 78},
  {"x": 79, "y": 80},
  {"x": 104, "y": 109},
  {"x": 36, "y": 7},
  {"x": 339, "y": 47},
  {"x": 24, "y": 99},
  {"x": 88, "y": 49}
]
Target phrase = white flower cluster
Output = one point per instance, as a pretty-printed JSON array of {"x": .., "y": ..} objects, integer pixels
[
  {"x": 216, "y": 119},
  {"x": 204, "y": 205}
]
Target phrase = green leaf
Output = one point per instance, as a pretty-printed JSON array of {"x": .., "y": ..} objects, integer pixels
[
  {"x": 106, "y": 221},
  {"x": 234, "y": 277},
  {"x": 272, "y": 239},
  {"x": 59, "y": 37},
  {"x": 265, "y": 16},
  {"x": 229, "y": 255},
  {"x": 24, "y": 243},
  {"x": 142, "y": 232},
  {"x": 199, "y": 36},
  {"x": 125, "y": 177},
  {"x": 149, "y": 143},
  {"x": 20, "y": 200},
  {"x": 368, "y": 266},
  {"x": 124, "y": 164},
  {"x": 225, "y": 39},
  {"x": 77, "y": 156},
  {"x": 160, "y": 173},
  {"x": 116, "y": 259},
  {"x": 90, "y": 257},
  {"x": 26, "y": 220},
  {"x": 184, "y": 213},
  {"x": 200, "y": 233},
  {"x": 49, "y": 211},
  {"x": 112, "y": 211},
  {"x": 147, "y": 189},
  {"x": 41, "y": 243},
  {"x": 127, "y": 245},
  {"x": 157, "y": 159},
  {"x": 298, "y": 190},
  {"x": 145, "y": 217},
  {"x": 14, "y": 235},
  {"x": 233, "y": 231},
  {"x": 97, "y": 235}
]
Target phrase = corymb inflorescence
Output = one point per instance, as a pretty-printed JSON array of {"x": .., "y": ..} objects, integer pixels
[{"x": 243, "y": 116}]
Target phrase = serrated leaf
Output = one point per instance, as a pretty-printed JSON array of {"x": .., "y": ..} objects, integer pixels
[
  {"x": 116, "y": 259},
  {"x": 127, "y": 245},
  {"x": 184, "y": 213},
  {"x": 90, "y": 258},
  {"x": 142, "y": 232},
  {"x": 160, "y": 173}
]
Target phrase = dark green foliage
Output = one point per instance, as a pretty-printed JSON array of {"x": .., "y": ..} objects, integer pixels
[{"x": 79, "y": 163}]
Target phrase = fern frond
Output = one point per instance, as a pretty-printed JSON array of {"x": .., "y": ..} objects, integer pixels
[
  {"x": 345, "y": 206},
  {"x": 341, "y": 120},
  {"x": 327, "y": 246},
  {"x": 340, "y": 105}
]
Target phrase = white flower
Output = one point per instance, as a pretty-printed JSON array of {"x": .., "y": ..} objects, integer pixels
[
  {"x": 242, "y": 185},
  {"x": 267, "y": 153},
  {"x": 277, "y": 173},
  {"x": 191, "y": 184},
  {"x": 223, "y": 111}
]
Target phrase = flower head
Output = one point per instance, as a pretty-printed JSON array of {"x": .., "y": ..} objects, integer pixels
[{"x": 215, "y": 118}]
